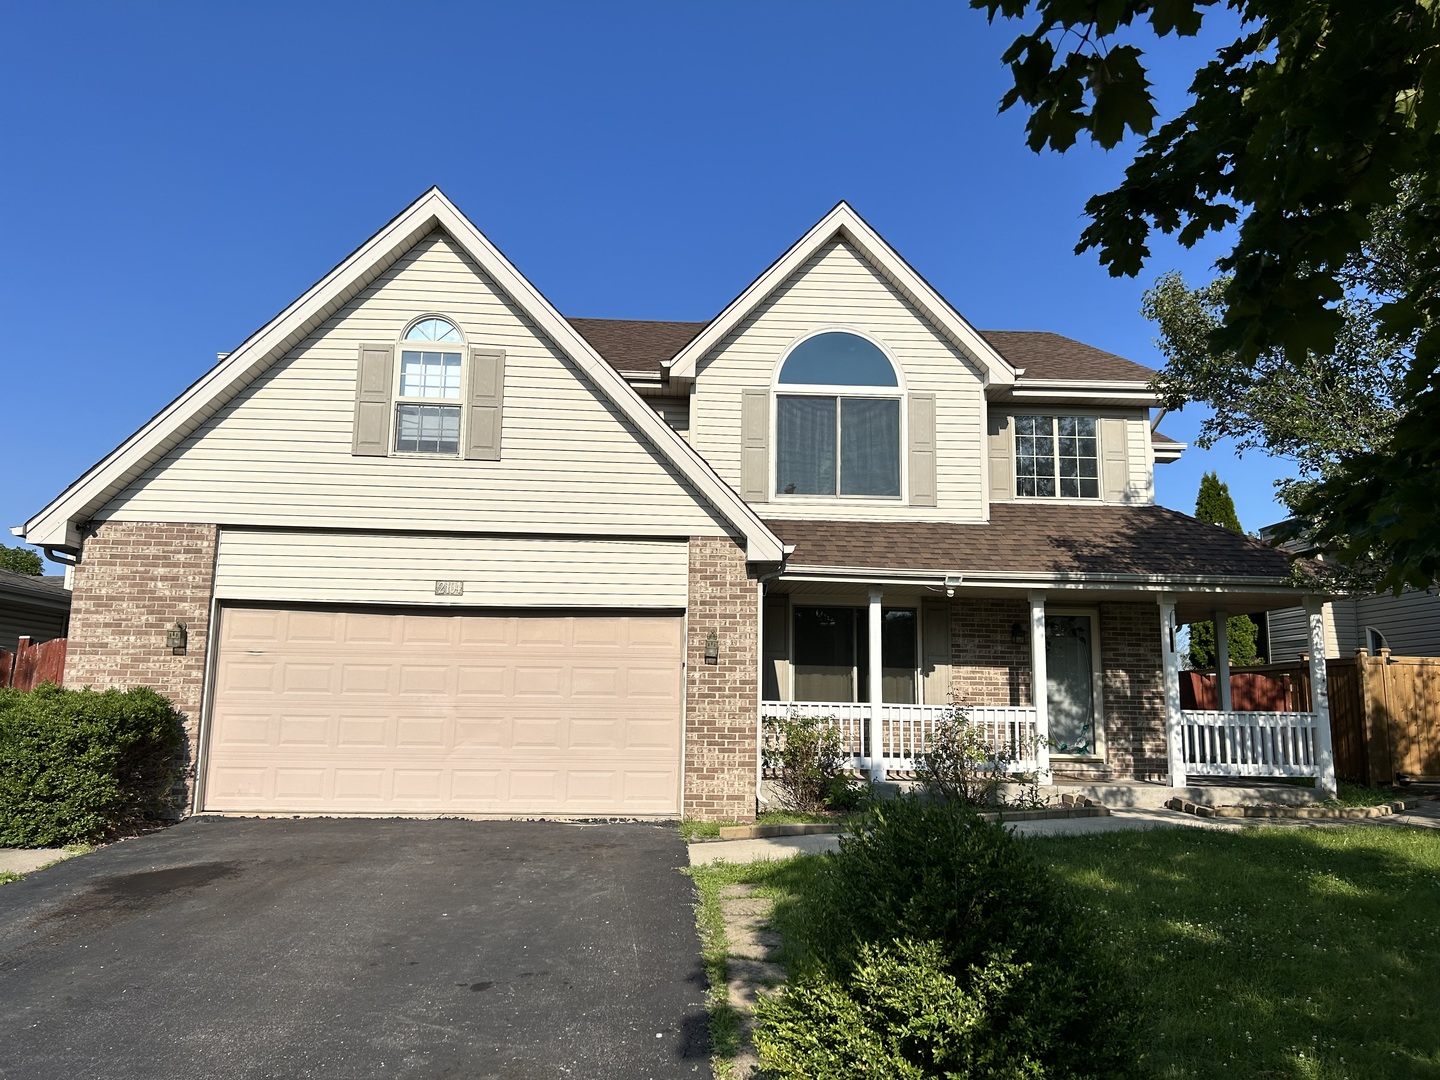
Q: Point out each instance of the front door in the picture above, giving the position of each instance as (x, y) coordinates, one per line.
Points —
(1070, 683)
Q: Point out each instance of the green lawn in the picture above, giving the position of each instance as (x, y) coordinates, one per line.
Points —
(1275, 953)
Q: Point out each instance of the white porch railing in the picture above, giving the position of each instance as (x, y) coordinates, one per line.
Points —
(1250, 743)
(907, 727)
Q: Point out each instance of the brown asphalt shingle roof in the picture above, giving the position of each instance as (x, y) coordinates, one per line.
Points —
(641, 345)
(50, 586)
(1041, 539)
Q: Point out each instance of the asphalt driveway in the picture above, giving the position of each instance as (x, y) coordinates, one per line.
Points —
(353, 948)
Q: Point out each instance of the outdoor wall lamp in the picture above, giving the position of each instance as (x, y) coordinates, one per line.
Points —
(712, 648)
(176, 638)
(1017, 633)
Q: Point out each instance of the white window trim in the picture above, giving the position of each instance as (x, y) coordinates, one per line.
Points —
(401, 346)
(899, 393)
(1054, 415)
(1097, 682)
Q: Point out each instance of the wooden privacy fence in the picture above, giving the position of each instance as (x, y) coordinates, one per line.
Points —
(1384, 710)
(30, 665)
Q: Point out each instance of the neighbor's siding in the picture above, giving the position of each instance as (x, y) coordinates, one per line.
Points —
(279, 453)
(496, 571)
(1410, 621)
(838, 288)
(1290, 632)
(39, 625)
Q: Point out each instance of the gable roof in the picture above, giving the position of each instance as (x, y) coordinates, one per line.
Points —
(57, 524)
(845, 224)
(643, 346)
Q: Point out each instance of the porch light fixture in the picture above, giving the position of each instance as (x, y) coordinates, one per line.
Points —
(176, 638)
(712, 648)
(1017, 633)
(952, 582)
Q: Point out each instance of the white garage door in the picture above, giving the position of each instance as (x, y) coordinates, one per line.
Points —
(358, 712)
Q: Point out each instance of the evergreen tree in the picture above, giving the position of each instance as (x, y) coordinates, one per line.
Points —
(1214, 504)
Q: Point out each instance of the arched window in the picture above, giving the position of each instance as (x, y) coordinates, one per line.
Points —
(427, 399)
(837, 419)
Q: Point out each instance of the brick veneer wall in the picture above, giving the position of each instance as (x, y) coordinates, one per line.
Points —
(135, 580)
(989, 668)
(1134, 687)
(721, 726)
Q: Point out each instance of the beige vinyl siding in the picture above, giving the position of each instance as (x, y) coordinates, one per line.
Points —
(1136, 485)
(279, 453)
(838, 288)
(496, 571)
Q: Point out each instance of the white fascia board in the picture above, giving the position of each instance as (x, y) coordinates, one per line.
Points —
(1168, 451)
(1088, 392)
(846, 223)
(56, 525)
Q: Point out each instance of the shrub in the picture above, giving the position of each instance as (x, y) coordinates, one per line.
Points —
(959, 765)
(916, 874)
(808, 763)
(79, 765)
(901, 1014)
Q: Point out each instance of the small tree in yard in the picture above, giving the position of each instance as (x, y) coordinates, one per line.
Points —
(1214, 504)
(959, 765)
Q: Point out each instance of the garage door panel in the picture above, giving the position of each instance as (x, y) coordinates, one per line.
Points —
(361, 712)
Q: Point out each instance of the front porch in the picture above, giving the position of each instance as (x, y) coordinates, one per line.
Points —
(1080, 685)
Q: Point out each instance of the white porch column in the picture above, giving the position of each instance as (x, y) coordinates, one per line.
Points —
(876, 660)
(1320, 698)
(1170, 663)
(1039, 681)
(1222, 657)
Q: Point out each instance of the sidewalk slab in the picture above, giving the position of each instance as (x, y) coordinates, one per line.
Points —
(28, 860)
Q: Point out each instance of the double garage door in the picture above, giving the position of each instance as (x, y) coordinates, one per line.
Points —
(361, 712)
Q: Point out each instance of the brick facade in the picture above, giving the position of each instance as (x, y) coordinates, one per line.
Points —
(991, 668)
(134, 580)
(1134, 688)
(721, 726)
(988, 667)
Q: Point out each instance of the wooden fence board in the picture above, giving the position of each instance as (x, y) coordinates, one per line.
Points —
(31, 665)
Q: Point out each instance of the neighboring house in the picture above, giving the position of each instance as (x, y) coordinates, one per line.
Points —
(33, 607)
(1407, 625)
(438, 549)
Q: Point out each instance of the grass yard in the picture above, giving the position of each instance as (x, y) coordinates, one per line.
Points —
(1274, 953)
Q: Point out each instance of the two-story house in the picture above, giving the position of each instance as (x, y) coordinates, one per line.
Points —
(423, 545)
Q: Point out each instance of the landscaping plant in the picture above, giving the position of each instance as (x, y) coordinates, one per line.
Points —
(959, 765)
(77, 766)
(935, 946)
(807, 762)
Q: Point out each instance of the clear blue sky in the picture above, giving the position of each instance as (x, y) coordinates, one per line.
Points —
(175, 174)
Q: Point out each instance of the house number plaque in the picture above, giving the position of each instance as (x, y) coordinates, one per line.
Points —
(449, 588)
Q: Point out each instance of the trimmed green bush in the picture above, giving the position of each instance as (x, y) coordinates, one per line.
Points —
(925, 889)
(77, 766)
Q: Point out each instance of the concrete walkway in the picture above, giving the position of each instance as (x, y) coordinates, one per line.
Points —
(1427, 816)
(27, 860)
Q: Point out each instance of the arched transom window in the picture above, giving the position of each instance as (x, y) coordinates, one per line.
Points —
(837, 419)
(427, 403)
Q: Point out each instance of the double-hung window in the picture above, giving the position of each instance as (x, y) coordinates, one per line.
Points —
(837, 419)
(1057, 457)
(427, 402)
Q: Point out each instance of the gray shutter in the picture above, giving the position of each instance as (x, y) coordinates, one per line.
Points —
(775, 646)
(487, 398)
(1114, 461)
(1002, 460)
(755, 445)
(922, 449)
(371, 436)
(936, 653)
